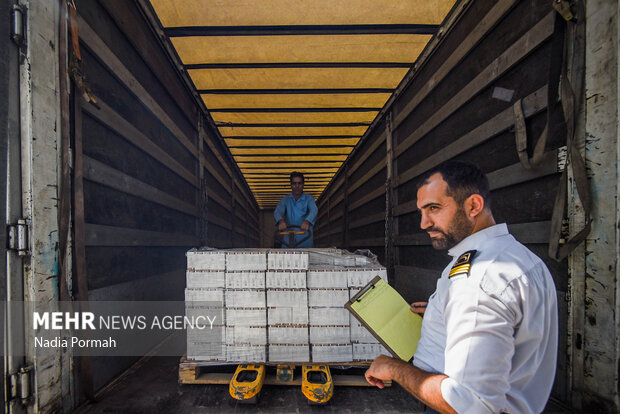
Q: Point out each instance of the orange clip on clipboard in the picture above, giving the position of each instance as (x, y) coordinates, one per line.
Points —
(388, 317)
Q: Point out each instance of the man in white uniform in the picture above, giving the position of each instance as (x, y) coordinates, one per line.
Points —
(490, 330)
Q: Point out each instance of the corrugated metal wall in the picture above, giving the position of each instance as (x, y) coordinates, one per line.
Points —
(458, 104)
(156, 179)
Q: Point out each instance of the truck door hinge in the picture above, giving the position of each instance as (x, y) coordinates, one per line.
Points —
(18, 23)
(18, 237)
(20, 384)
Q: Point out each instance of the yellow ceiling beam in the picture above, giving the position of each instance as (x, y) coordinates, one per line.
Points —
(292, 165)
(292, 117)
(286, 185)
(279, 12)
(276, 191)
(290, 158)
(284, 179)
(285, 189)
(301, 170)
(301, 151)
(288, 142)
(290, 131)
(402, 48)
(297, 78)
(298, 100)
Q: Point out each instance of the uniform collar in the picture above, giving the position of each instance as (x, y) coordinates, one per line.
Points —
(472, 241)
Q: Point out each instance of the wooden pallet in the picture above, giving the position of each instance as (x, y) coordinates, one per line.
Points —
(204, 372)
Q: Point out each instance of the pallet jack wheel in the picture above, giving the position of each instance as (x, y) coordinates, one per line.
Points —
(246, 383)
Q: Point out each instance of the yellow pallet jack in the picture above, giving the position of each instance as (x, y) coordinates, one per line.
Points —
(317, 384)
(247, 383)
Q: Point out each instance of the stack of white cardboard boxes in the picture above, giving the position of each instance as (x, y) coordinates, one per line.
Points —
(287, 306)
(206, 283)
(279, 305)
(246, 307)
(329, 321)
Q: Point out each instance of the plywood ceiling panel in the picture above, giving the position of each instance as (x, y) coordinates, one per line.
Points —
(297, 78)
(219, 101)
(293, 117)
(403, 48)
(294, 12)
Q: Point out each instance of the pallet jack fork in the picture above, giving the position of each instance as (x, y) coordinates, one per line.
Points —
(317, 384)
(247, 382)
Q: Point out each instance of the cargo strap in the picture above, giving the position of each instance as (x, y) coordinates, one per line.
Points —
(568, 32)
(75, 64)
(553, 108)
(572, 100)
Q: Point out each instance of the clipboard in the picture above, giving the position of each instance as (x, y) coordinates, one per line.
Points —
(388, 317)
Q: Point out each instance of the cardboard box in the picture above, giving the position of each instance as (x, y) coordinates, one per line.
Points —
(245, 279)
(246, 260)
(330, 334)
(327, 277)
(286, 279)
(328, 297)
(246, 353)
(246, 317)
(206, 351)
(359, 277)
(288, 334)
(207, 279)
(287, 315)
(289, 353)
(332, 353)
(289, 298)
(195, 295)
(287, 260)
(368, 352)
(328, 316)
(245, 298)
(252, 335)
(206, 260)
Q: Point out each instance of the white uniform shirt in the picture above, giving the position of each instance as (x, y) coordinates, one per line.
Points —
(493, 332)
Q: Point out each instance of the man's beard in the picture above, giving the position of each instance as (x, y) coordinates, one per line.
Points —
(457, 230)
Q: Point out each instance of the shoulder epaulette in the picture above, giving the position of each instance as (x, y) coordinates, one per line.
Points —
(462, 264)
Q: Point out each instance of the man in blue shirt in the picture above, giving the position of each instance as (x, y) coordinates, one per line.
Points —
(297, 209)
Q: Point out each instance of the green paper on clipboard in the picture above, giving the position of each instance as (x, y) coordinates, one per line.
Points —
(384, 312)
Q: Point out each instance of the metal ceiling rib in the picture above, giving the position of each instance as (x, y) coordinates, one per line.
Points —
(294, 85)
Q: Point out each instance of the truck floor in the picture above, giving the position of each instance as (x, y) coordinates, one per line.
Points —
(151, 386)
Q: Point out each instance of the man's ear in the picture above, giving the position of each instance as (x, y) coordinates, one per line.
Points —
(474, 204)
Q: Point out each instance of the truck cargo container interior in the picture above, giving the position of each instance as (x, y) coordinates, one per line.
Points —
(137, 130)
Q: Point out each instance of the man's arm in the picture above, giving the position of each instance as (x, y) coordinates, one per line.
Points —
(479, 347)
(279, 212)
(312, 210)
(423, 385)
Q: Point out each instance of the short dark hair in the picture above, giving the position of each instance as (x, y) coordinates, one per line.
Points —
(298, 174)
(463, 179)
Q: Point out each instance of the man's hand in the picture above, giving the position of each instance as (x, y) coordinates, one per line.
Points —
(305, 225)
(282, 225)
(381, 370)
(419, 308)
(425, 386)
